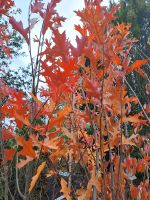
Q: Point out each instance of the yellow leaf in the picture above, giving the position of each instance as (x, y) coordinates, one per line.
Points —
(65, 189)
(35, 177)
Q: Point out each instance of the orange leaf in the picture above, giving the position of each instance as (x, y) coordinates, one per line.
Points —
(65, 189)
(147, 158)
(22, 162)
(134, 192)
(7, 135)
(35, 177)
(127, 141)
(69, 135)
(57, 121)
(27, 146)
(80, 192)
(134, 119)
(58, 153)
(49, 143)
(9, 153)
(92, 182)
(53, 134)
(116, 60)
(23, 119)
(137, 64)
(140, 166)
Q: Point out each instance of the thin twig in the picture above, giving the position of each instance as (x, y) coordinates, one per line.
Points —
(72, 132)
(10, 194)
(101, 141)
(30, 50)
(120, 147)
(110, 158)
(95, 137)
(17, 180)
(138, 100)
(3, 157)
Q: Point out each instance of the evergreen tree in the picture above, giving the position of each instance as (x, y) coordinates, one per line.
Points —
(18, 78)
(137, 13)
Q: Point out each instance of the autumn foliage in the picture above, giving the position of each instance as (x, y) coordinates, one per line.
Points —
(79, 110)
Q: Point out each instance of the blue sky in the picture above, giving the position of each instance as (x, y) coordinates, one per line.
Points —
(65, 8)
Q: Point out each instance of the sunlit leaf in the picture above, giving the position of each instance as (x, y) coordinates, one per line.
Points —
(36, 176)
(18, 26)
(65, 189)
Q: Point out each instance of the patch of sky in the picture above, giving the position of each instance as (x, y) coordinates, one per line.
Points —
(65, 8)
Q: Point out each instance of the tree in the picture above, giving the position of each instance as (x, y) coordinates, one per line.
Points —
(11, 48)
(82, 87)
(137, 13)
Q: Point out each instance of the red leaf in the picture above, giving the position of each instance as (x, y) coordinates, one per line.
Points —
(69, 135)
(140, 166)
(116, 60)
(18, 26)
(51, 18)
(5, 5)
(134, 192)
(53, 3)
(7, 135)
(9, 153)
(61, 45)
(37, 6)
(82, 31)
(81, 43)
(128, 164)
(92, 88)
(7, 51)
